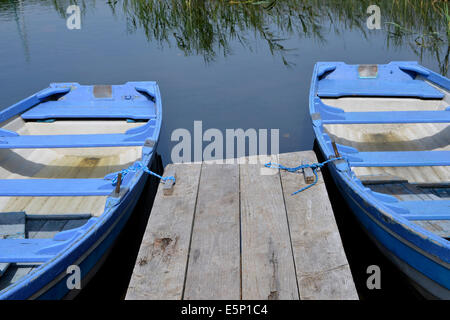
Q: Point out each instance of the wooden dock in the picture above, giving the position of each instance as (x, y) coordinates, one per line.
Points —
(229, 232)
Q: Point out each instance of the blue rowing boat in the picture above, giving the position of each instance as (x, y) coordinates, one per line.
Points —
(74, 160)
(385, 128)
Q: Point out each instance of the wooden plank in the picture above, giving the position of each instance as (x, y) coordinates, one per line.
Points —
(64, 163)
(241, 235)
(72, 224)
(38, 228)
(308, 173)
(214, 260)
(321, 264)
(18, 271)
(394, 137)
(268, 270)
(439, 227)
(159, 272)
(380, 179)
(12, 225)
(50, 228)
(169, 184)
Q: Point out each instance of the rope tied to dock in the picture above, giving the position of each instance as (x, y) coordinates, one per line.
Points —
(139, 166)
(313, 166)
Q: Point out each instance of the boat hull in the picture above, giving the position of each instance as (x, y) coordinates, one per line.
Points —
(393, 245)
(422, 255)
(52, 284)
(87, 246)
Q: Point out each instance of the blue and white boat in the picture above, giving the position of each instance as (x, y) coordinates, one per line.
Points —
(388, 126)
(73, 163)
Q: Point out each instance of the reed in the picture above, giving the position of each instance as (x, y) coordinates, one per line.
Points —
(209, 27)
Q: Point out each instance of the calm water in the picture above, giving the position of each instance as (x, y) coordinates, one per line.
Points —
(231, 66)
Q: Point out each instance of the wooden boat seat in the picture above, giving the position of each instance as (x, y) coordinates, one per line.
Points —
(58, 172)
(396, 79)
(41, 250)
(54, 110)
(133, 137)
(397, 158)
(377, 87)
(427, 210)
(98, 102)
(392, 136)
(138, 99)
(55, 187)
(21, 225)
(332, 115)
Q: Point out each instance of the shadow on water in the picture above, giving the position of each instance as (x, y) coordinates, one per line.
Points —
(361, 251)
(111, 280)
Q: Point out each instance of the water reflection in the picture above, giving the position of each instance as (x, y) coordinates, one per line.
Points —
(17, 14)
(209, 28)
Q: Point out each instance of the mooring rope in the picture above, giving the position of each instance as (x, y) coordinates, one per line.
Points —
(139, 166)
(313, 166)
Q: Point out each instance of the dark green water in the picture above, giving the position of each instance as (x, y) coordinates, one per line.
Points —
(229, 65)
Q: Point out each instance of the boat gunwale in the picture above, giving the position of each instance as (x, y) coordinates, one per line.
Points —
(111, 207)
(417, 234)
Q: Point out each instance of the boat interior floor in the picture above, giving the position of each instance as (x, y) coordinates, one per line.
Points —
(405, 191)
(405, 183)
(33, 227)
(63, 163)
(394, 137)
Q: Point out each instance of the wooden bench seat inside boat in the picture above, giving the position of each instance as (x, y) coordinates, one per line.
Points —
(394, 137)
(63, 163)
(38, 227)
(409, 183)
(99, 101)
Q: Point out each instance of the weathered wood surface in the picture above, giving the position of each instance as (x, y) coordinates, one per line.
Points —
(405, 191)
(169, 184)
(267, 266)
(160, 269)
(38, 227)
(321, 264)
(394, 137)
(214, 264)
(12, 226)
(233, 231)
(308, 173)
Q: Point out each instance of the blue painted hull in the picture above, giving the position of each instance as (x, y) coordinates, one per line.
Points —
(408, 259)
(423, 256)
(88, 246)
(52, 283)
